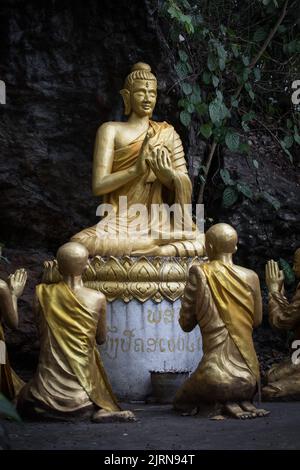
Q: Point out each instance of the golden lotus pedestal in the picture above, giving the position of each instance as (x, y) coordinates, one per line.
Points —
(144, 335)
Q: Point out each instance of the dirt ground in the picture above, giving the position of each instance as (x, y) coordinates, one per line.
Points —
(158, 427)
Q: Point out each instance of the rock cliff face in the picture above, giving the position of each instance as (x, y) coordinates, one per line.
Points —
(63, 63)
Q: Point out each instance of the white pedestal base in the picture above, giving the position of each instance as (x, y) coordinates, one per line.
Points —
(144, 337)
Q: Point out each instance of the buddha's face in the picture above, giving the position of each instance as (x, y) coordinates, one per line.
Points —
(296, 266)
(143, 97)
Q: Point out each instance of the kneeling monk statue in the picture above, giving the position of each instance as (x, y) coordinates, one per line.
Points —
(284, 378)
(225, 301)
(10, 383)
(70, 379)
(140, 164)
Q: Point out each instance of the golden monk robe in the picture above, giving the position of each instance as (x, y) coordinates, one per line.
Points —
(10, 383)
(143, 161)
(70, 379)
(284, 378)
(225, 301)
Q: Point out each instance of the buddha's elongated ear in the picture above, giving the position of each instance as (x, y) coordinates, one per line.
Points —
(126, 98)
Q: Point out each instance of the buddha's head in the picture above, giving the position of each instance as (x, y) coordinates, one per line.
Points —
(296, 265)
(140, 91)
(220, 239)
(72, 259)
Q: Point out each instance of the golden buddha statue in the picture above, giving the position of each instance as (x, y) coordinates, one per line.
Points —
(283, 380)
(141, 161)
(224, 299)
(70, 379)
(10, 383)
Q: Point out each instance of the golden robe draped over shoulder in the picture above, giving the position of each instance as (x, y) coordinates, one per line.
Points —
(218, 301)
(234, 300)
(70, 373)
(10, 383)
(112, 235)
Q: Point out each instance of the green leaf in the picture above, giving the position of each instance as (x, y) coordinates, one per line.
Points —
(196, 95)
(248, 86)
(248, 116)
(206, 130)
(222, 64)
(244, 147)
(260, 35)
(230, 196)
(285, 149)
(246, 73)
(245, 60)
(255, 164)
(289, 276)
(289, 123)
(206, 77)
(297, 138)
(186, 88)
(201, 109)
(292, 47)
(181, 70)
(245, 190)
(185, 118)
(288, 141)
(234, 102)
(7, 410)
(219, 95)
(212, 62)
(190, 108)
(215, 111)
(235, 50)
(183, 55)
(225, 175)
(182, 102)
(215, 81)
(232, 140)
(270, 199)
(251, 94)
(257, 74)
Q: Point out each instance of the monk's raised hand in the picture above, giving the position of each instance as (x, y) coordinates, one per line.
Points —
(17, 282)
(274, 277)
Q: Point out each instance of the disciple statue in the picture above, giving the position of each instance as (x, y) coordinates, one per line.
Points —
(224, 299)
(70, 379)
(10, 383)
(140, 164)
(284, 378)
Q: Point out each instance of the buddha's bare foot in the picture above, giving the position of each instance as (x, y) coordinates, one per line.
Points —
(237, 412)
(102, 416)
(258, 412)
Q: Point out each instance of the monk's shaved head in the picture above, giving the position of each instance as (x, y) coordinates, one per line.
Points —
(221, 238)
(72, 259)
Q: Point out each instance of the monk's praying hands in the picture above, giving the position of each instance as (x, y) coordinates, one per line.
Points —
(274, 277)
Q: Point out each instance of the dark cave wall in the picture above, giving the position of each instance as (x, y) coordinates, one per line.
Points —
(63, 63)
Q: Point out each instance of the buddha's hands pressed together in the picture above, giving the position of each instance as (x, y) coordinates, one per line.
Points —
(274, 277)
(17, 281)
(160, 164)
